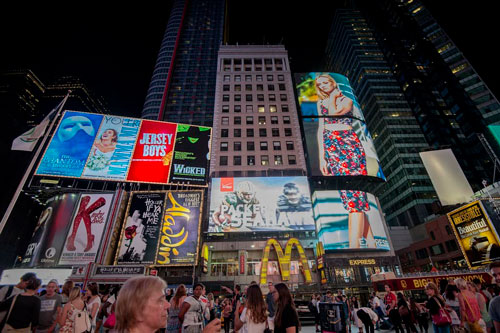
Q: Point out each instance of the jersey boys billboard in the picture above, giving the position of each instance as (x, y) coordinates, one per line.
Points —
(260, 204)
(338, 143)
(95, 146)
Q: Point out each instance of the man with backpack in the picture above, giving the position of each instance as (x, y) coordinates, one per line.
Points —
(10, 291)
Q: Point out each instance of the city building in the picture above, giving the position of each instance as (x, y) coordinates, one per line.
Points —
(256, 131)
(183, 83)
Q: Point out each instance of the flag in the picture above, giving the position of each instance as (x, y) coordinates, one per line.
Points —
(27, 141)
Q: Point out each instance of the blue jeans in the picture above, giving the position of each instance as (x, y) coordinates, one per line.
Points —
(441, 329)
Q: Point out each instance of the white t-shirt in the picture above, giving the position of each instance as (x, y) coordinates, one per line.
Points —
(376, 301)
(249, 326)
(90, 305)
(194, 315)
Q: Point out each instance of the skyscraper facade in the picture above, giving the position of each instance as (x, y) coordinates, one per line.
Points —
(183, 83)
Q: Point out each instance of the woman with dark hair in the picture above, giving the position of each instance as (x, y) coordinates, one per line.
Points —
(286, 319)
(23, 310)
(420, 314)
(435, 303)
(405, 313)
(93, 303)
(253, 318)
(173, 323)
(66, 290)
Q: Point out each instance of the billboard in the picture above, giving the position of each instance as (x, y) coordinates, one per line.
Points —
(338, 142)
(349, 220)
(87, 228)
(94, 146)
(140, 231)
(260, 204)
(476, 234)
(161, 228)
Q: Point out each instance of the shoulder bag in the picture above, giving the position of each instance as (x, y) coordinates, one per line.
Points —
(7, 328)
(403, 310)
(442, 318)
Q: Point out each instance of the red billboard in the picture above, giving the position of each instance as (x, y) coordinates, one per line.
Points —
(153, 153)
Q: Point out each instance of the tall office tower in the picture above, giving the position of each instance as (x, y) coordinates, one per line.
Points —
(183, 84)
(256, 130)
(353, 51)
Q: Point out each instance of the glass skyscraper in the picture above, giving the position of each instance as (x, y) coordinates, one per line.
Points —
(182, 88)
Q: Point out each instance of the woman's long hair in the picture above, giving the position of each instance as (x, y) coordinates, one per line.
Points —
(256, 307)
(322, 94)
(179, 293)
(284, 300)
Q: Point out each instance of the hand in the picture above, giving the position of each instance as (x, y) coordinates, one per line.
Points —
(213, 326)
(322, 167)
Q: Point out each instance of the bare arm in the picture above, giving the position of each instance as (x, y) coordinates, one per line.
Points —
(95, 308)
(64, 315)
(292, 329)
(344, 107)
(497, 326)
(185, 307)
(237, 321)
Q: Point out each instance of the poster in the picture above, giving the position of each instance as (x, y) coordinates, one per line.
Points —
(153, 153)
(475, 233)
(140, 233)
(52, 245)
(349, 219)
(192, 151)
(260, 204)
(70, 146)
(87, 228)
(112, 150)
(338, 143)
(181, 228)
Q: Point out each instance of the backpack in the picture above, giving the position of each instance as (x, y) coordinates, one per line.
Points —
(81, 321)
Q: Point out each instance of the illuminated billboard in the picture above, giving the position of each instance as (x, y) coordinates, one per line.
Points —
(475, 233)
(349, 220)
(260, 204)
(161, 228)
(338, 142)
(105, 147)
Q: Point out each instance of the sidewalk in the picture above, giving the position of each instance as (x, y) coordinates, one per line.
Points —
(311, 329)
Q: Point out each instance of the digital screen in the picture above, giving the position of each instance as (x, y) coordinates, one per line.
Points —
(94, 146)
(475, 234)
(260, 204)
(338, 142)
(349, 220)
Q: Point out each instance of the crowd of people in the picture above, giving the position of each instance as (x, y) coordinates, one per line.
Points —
(144, 304)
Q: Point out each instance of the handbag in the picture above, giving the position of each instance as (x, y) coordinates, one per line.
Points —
(474, 326)
(110, 321)
(7, 328)
(403, 311)
(442, 318)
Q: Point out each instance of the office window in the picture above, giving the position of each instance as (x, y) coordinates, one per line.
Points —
(286, 120)
(283, 97)
(257, 61)
(250, 160)
(262, 132)
(272, 97)
(272, 108)
(270, 78)
(260, 87)
(236, 160)
(284, 108)
(278, 61)
(276, 145)
(249, 132)
(281, 78)
(248, 78)
(225, 108)
(237, 87)
(225, 98)
(281, 87)
(237, 108)
(237, 120)
(225, 87)
(223, 146)
(237, 98)
(260, 97)
(224, 133)
(261, 108)
(249, 108)
(275, 132)
(263, 145)
(227, 78)
(237, 132)
(292, 160)
(249, 120)
(278, 160)
(288, 132)
(237, 61)
(270, 87)
(289, 145)
(237, 78)
(223, 160)
(237, 146)
(248, 98)
(274, 120)
(258, 78)
(264, 160)
(262, 120)
(248, 87)
(225, 121)
(250, 146)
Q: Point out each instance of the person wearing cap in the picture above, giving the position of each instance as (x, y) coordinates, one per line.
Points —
(9, 291)
(50, 309)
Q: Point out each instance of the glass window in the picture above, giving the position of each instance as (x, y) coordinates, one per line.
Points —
(249, 132)
(264, 160)
(237, 108)
(237, 98)
(223, 160)
(272, 108)
(262, 132)
(250, 146)
(248, 98)
(275, 132)
(225, 87)
(225, 98)
(250, 160)
(270, 87)
(260, 97)
(289, 145)
(276, 145)
(274, 120)
(257, 61)
(259, 78)
(282, 86)
(224, 133)
(283, 97)
(260, 87)
(262, 120)
(237, 87)
(292, 160)
(237, 61)
(237, 78)
(248, 87)
(263, 145)
(236, 160)
(272, 97)
(223, 146)
(261, 108)
(237, 120)
(284, 108)
(288, 132)
(227, 78)
(270, 78)
(237, 132)
(248, 78)
(249, 108)
(237, 146)
(225, 108)
(281, 78)
(286, 120)
(249, 120)
(278, 160)
(225, 121)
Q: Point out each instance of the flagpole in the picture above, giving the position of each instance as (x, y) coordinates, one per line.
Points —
(30, 167)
